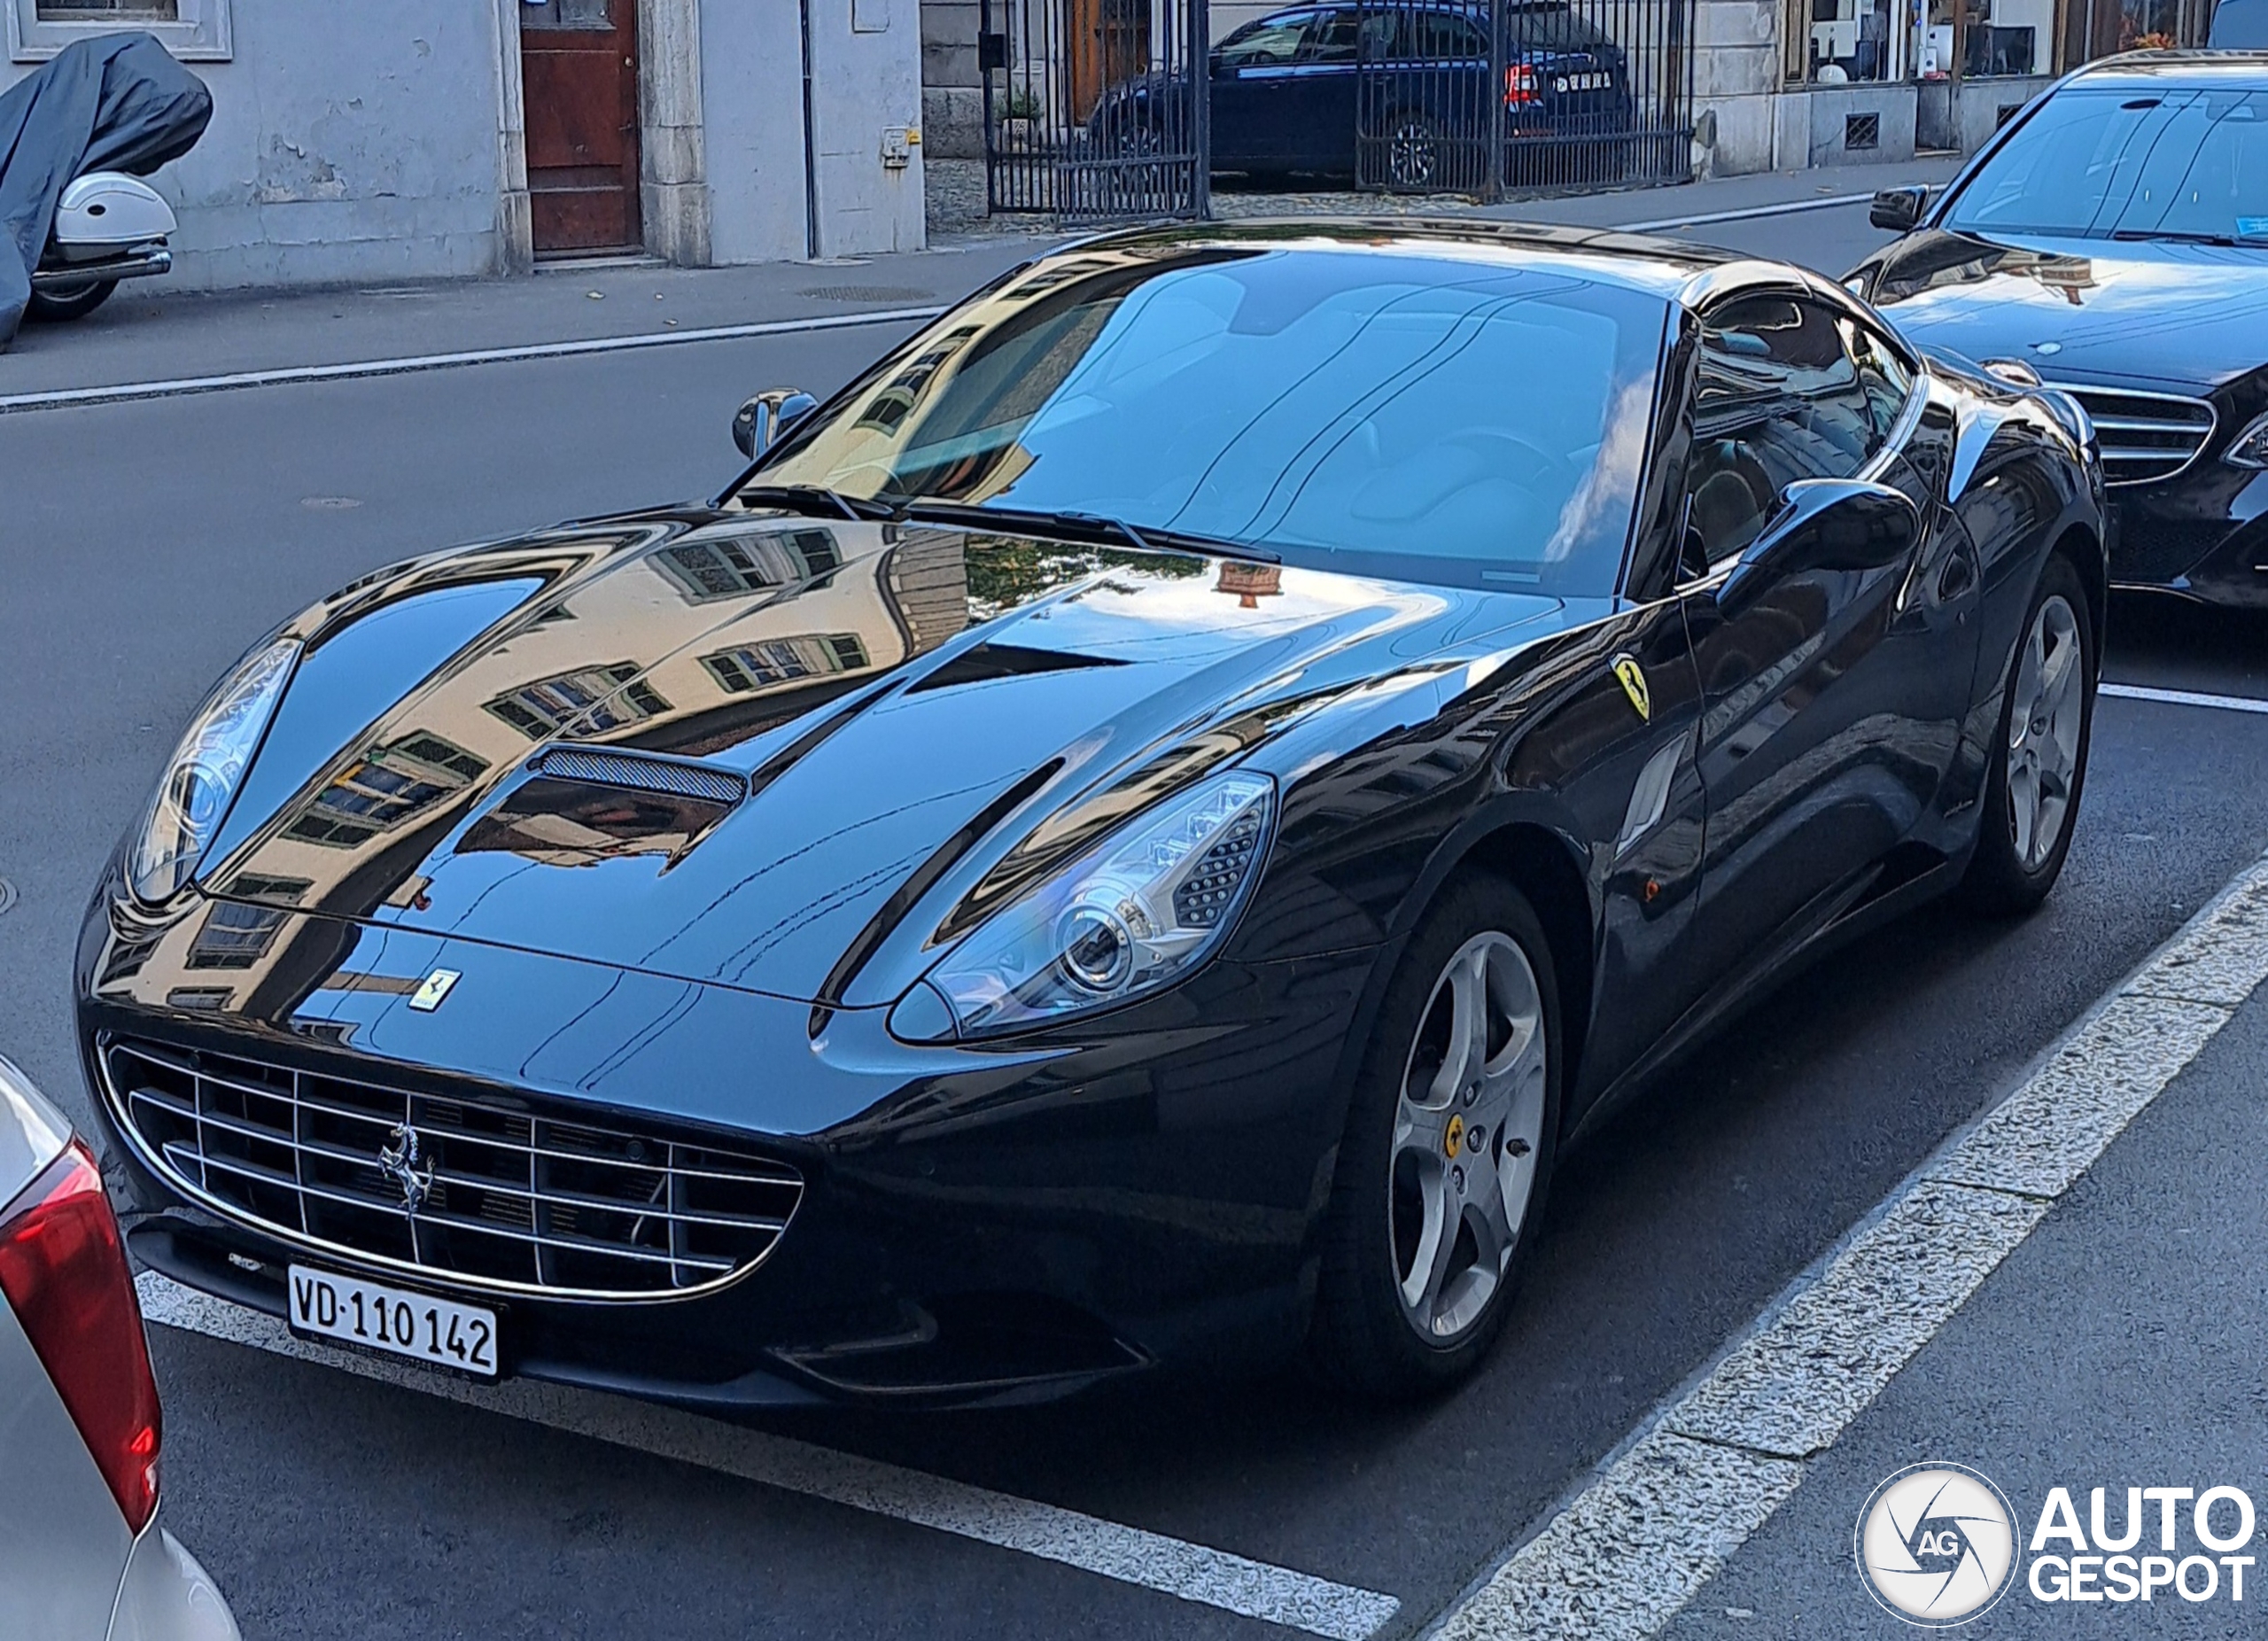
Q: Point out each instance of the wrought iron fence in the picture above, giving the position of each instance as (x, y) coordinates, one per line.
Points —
(1121, 108)
(1484, 96)
(1089, 108)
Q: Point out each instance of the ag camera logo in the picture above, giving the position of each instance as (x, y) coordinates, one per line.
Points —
(1937, 1544)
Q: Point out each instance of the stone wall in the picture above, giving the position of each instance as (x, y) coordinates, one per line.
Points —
(952, 97)
(348, 143)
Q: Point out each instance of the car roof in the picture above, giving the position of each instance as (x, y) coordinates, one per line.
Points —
(1668, 269)
(2180, 69)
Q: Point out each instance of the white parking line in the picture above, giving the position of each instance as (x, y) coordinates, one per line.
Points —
(2182, 698)
(1212, 1577)
(62, 398)
(1745, 213)
(1635, 1540)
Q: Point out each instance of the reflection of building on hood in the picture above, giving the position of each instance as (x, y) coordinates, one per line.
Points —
(1249, 583)
(2068, 275)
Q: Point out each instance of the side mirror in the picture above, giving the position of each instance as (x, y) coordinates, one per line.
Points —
(758, 424)
(1824, 524)
(1898, 209)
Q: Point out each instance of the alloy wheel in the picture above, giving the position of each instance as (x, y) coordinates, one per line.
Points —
(1466, 1129)
(1411, 154)
(2044, 722)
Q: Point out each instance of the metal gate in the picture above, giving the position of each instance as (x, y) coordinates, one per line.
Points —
(1091, 107)
(1480, 97)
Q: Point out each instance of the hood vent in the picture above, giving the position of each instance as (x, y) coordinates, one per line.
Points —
(640, 772)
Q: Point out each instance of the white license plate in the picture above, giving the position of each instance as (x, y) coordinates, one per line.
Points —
(1582, 82)
(438, 1332)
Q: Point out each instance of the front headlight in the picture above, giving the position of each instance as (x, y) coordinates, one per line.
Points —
(1137, 911)
(2249, 448)
(193, 798)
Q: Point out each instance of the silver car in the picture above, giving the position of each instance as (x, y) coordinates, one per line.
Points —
(81, 1552)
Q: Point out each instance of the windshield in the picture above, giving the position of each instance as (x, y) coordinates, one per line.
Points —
(2239, 26)
(2180, 163)
(1437, 418)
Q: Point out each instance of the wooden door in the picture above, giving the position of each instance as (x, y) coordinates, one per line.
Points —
(578, 62)
(1110, 44)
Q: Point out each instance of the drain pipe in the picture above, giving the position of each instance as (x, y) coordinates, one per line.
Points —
(811, 145)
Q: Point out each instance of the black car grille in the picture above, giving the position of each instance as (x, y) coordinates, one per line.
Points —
(507, 1199)
(2145, 437)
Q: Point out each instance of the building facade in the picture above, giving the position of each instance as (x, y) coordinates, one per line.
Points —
(425, 138)
(1780, 84)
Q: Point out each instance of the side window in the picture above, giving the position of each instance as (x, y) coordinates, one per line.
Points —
(1332, 39)
(1778, 397)
(1384, 36)
(1272, 41)
(1446, 37)
(1883, 377)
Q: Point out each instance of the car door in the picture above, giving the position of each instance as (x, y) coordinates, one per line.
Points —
(1251, 70)
(1821, 735)
(1318, 96)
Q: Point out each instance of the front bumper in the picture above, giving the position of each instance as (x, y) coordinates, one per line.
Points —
(2202, 533)
(977, 1225)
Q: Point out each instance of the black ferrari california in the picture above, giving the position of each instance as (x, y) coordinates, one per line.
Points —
(2113, 241)
(1135, 833)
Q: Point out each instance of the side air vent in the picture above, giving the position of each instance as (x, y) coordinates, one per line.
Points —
(643, 773)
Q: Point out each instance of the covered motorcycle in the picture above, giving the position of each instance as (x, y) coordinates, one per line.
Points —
(117, 104)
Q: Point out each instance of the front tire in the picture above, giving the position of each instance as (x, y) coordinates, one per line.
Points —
(2040, 755)
(68, 302)
(1448, 1148)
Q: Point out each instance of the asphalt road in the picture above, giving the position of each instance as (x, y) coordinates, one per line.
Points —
(145, 544)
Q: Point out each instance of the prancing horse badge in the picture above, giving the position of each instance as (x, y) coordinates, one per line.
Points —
(1632, 678)
(435, 990)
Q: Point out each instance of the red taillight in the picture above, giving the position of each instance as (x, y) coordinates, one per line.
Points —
(64, 1271)
(1520, 84)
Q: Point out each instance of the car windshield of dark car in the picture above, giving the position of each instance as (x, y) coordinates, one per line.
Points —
(1446, 419)
(2179, 163)
(1552, 26)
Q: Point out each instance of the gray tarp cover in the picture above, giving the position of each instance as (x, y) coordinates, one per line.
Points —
(116, 103)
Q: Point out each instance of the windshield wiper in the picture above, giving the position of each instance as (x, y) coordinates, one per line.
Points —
(1079, 526)
(2131, 234)
(815, 501)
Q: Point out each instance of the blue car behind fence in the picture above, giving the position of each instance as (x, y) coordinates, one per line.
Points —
(1399, 96)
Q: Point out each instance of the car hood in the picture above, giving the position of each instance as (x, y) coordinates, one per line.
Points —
(830, 728)
(2183, 317)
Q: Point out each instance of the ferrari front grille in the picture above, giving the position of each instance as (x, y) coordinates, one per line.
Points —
(481, 1193)
(2145, 437)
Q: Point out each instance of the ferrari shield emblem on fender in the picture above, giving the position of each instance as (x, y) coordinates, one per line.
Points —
(435, 990)
(1633, 679)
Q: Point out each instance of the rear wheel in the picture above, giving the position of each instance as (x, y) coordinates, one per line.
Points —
(59, 303)
(1415, 155)
(1448, 1148)
(2039, 757)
